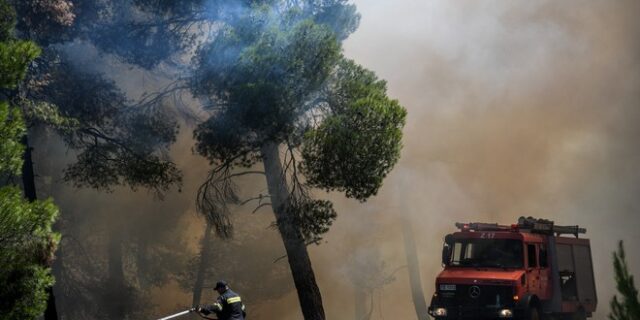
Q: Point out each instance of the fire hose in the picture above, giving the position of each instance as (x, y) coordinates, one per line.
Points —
(180, 314)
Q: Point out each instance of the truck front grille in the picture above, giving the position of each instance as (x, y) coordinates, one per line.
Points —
(477, 296)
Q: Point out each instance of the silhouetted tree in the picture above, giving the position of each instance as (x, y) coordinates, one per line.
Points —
(145, 33)
(248, 262)
(628, 308)
(118, 142)
(203, 262)
(369, 274)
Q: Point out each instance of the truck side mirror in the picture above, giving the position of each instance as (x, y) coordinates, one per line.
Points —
(446, 250)
(446, 254)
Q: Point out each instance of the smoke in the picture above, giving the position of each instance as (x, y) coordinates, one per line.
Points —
(514, 109)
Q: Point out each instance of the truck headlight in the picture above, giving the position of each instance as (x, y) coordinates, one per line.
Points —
(505, 313)
(440, 312)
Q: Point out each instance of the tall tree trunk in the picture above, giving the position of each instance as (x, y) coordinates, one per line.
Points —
(116, 291)
(51, 312)
(28, 176)
(299, 262)
(361, 304)
(414, 270)
(202, 267)
(29, 187)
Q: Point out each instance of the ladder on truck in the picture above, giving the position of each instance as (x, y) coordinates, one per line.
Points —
(530, 224)
(544, 226)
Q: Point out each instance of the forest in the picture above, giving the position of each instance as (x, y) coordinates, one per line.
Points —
(263, 85)
(311, 153)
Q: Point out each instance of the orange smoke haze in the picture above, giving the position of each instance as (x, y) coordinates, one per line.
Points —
(515, 108)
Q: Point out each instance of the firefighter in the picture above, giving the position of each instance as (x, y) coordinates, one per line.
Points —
(228, 306)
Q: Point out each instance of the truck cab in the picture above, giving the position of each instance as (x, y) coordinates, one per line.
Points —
(523, 271)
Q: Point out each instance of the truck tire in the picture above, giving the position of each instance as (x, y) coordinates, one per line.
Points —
(532, 314)
(579, 315)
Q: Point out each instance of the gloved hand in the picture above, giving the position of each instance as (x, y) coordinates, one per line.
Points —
(201, 309)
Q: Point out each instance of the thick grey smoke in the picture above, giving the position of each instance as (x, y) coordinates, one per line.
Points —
(514, 109)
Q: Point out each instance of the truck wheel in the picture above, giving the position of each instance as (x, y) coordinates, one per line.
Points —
(579, 315)
(533, 314)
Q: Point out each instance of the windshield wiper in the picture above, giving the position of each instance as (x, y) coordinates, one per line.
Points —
(469, 262)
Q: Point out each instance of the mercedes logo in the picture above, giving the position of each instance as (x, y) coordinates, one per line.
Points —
(474, 292)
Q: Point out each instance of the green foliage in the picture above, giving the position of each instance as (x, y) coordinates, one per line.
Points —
(141, 32)
(11, 131)
(7, 20)
(92, 170)
(312, 217)
(146, 47)
(276, 75)
(15, 57)
(126, 150)
(339, 15)
(628, 308)
(49, 22)
(359, 143)
(23, 294)
(47, 114)
(118, 143)
(27, 244)
(351, 82)
(263, 85)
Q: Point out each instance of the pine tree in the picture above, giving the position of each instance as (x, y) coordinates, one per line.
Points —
(628, 308)
(281, 94)
(27, 242)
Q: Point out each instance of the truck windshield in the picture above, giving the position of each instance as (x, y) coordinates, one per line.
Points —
(487, 253)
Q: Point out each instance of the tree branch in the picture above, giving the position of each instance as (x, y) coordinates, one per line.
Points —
(259, 198)
(260, 206)
(279, 258)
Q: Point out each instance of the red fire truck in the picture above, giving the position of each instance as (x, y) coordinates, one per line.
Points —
(526, 271)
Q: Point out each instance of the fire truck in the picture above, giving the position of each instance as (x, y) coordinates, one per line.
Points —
(527, 270)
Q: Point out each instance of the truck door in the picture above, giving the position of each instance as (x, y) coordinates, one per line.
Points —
(545, 272)
(533, 273)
